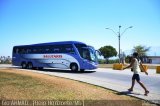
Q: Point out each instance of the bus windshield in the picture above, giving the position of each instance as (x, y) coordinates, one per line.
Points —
(87, 53)
(92, 54)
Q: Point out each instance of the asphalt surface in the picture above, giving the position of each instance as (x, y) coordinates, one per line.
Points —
(117, 80)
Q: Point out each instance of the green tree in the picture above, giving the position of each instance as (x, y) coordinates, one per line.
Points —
(128, 59)
(141, 50)
(108, 51)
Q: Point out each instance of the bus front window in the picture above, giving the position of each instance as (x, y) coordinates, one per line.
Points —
(84, 52)
(87, 53)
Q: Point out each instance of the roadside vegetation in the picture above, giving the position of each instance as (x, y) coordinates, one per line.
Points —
(108, 52)
(103, 61)
(5, 60)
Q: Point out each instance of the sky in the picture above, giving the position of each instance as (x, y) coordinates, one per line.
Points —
(25, 22)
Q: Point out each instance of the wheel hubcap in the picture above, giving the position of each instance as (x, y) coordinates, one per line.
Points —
(73, 67)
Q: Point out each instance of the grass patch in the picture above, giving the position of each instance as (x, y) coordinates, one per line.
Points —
(26, 85)
(16, 84)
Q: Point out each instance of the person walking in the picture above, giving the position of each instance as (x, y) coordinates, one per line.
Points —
(135, 67)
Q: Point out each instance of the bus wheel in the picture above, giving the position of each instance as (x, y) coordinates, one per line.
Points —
(74, 67)
(24, 65)
(30, 65)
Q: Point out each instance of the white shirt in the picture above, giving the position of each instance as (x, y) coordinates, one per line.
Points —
(136, 68)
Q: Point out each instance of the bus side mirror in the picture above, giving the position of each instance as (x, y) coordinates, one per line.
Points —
(98, 53)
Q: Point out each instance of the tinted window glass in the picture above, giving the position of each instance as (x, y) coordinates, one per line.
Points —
(15, 50)
(68, 48)
(29, 50)
(80, 45)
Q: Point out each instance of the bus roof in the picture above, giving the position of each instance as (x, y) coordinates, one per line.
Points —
(53, 43)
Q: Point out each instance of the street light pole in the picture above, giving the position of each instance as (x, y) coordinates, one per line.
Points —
(119, 38)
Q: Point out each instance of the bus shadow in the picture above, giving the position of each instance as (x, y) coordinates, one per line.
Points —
(66, 71)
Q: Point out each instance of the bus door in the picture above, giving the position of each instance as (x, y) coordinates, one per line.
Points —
(86, 57)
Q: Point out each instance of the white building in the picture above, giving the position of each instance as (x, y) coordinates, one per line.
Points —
(154, 59)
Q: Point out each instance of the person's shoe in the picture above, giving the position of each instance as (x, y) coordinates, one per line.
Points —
(130, 90)
(146, 93)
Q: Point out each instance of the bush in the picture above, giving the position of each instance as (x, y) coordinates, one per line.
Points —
(113, 61)
(108, 61)
(101, 61)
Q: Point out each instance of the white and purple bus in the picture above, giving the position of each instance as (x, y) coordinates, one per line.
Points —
(73, 55)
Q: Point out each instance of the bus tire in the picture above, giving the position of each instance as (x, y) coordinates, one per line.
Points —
(30, 65)
(74, 67)
(24, 65)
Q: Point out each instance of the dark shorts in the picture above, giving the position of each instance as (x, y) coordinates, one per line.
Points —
(136, 77)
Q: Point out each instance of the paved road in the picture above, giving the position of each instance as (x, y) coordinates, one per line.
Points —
(113, 79)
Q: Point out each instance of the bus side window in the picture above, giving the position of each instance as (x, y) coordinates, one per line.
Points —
(56, 49)
(28, 50)
(15, 50)
(47, 49)
(40, 50)
(22, 51)
(19, 51)
(69, 49)
(34, 50)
